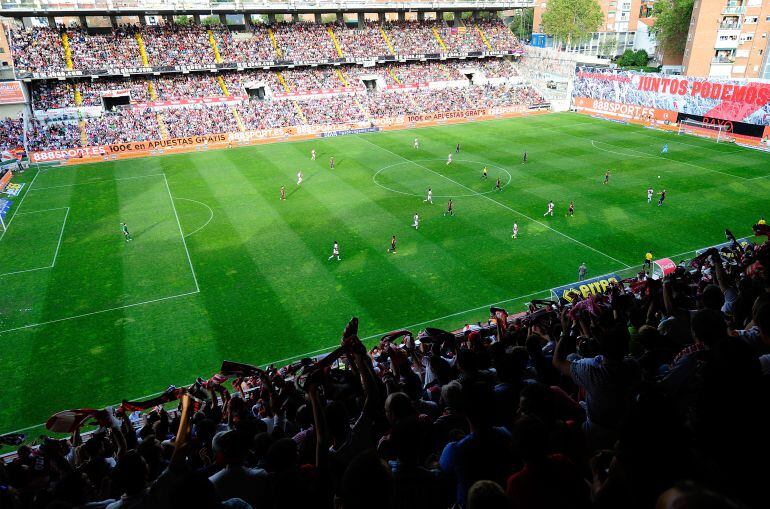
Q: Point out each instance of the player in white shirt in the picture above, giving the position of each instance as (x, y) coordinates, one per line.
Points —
(416, 221)
(449, 160)
(429, 199)
(312, 155)
(416, 143)
(299, 177)
(515, 230)
(335, 251)
(650, 192)
(550, 209)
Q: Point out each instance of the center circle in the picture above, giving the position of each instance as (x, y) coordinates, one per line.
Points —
(377, 177)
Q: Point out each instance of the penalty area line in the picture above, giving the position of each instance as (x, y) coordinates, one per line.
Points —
(92, 313)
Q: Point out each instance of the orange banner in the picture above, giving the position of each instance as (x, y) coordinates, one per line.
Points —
(11, 92)
(5, 179)
(623, 111)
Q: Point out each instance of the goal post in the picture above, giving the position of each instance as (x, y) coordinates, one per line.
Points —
(716, 132)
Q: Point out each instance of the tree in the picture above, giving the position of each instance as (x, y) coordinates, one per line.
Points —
(572, 21)
(521, 23)
(627, 59)
(672, 24)
(641, 58)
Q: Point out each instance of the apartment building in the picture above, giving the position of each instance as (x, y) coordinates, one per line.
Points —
(728, 38)
(616, 33)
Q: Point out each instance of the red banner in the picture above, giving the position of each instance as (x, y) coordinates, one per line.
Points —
(11, 92)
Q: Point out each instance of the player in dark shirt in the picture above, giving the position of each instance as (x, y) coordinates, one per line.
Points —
(498, 185)
(392, 248)
(457, 148)
(449, 208)
(571, 210)
(331, 163)
(662, 197)
(607, 177)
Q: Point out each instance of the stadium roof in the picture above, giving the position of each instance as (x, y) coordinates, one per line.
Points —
(21, 8)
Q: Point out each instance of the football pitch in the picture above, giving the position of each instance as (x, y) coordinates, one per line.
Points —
(221, 268)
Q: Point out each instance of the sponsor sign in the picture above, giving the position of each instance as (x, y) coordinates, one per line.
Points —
(13, 189)
(5, 206)
(593, 286)
(725, 99)
(362, 130)
(732, 126)
(622, 111)
(11, 92)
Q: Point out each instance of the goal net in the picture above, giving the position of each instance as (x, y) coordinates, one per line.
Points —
(704, 129)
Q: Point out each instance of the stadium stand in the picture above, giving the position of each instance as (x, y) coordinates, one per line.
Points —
(559, 406)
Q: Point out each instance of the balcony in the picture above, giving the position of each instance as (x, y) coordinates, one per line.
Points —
(723, 60)
(734, 9)
(727, 42)
(730, 26)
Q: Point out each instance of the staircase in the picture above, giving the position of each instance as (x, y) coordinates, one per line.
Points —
(274, 41)
(283, 83)
(393, 75)
(484, 38)
(438, 38)
(387, 41)
(342, 78)
(335, 41)
(65, 42)
(236, 115)
(77, 95)
(151, 91)
(142, 49)
(83, 134)
(162, 126)
(215, 48)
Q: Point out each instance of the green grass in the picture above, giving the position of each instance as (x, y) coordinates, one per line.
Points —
(251, 280)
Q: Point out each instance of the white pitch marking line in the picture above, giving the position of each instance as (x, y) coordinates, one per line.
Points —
(374, 179)
(116, 308)
(61, 234)
(665, 159)
(55, 254)
(181, 233)
(41, 211)
(502, 205)
(16, 210)
(99, 181)
(211, 215)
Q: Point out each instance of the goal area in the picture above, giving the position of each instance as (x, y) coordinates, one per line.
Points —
(716, 132)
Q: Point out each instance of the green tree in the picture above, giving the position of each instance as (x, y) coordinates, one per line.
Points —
(672, 24)
(572, 21)
(628, 58)
(641, 58)
(521, 23)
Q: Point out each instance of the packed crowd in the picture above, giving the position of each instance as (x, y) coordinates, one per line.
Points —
(52, 134)
(654, 394)
(11, 134)
(42, 48)
(38, 49)
(130, 124)
(243, 47)
(104, 50)
(199, 120)
(170, 45)
(60, 94)
(363, 41)
(304, 42)
(393, 104)
(121, 126)
(259, 115)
